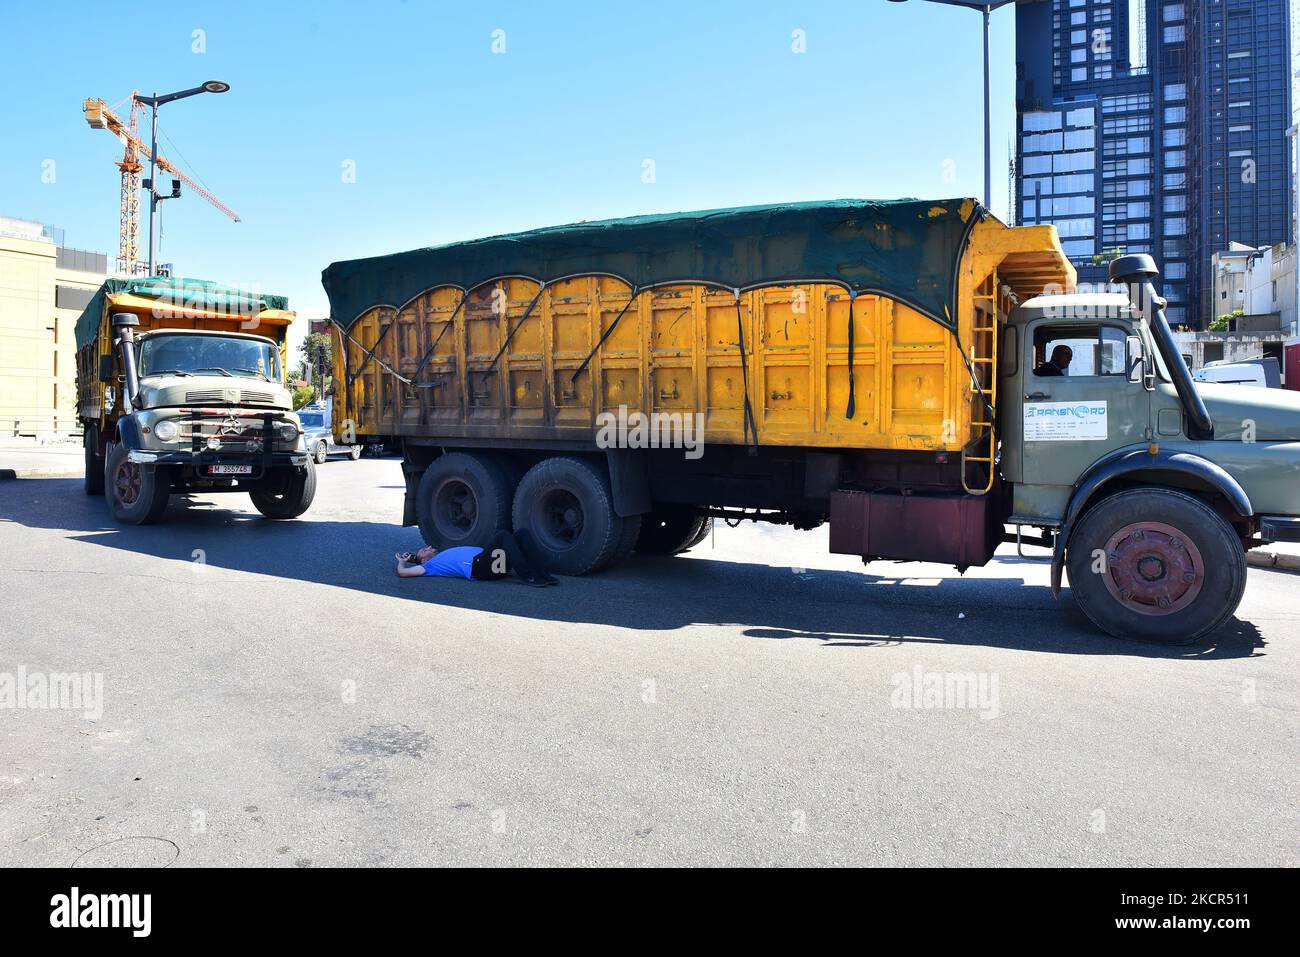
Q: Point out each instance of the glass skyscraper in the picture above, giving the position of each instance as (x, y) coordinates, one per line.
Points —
(1155, 127)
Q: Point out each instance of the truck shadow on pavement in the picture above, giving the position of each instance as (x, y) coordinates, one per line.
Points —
(840, 609)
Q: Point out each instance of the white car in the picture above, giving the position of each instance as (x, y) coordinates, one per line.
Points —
(319, 437)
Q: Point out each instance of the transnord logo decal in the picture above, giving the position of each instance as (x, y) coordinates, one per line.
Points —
(1065, 421)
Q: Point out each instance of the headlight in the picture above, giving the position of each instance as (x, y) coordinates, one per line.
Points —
(286, 432)
(165, 430)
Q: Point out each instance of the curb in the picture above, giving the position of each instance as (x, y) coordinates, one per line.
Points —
(1274, 560)
(39, 473)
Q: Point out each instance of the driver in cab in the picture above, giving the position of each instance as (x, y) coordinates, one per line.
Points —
(1060, 361)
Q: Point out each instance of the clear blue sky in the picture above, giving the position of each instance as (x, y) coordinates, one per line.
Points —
(452, 141)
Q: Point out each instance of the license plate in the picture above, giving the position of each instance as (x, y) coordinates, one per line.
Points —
(230, 470)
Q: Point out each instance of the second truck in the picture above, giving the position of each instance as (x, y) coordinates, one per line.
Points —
(180, 388)
(915, 373)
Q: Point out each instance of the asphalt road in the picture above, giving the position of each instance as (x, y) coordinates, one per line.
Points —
(272, 694)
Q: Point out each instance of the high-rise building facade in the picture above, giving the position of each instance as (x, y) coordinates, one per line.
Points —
(1155, 126)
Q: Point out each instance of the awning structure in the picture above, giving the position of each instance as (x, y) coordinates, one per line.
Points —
(908, 250)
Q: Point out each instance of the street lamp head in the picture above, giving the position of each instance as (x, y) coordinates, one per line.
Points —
(985, 5)
(215, 86)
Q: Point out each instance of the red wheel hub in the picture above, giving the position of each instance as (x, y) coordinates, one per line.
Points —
(126, 483)
(1153, 569)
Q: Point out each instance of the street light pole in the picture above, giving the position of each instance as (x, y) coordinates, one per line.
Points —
(988, 121)
(986, 7)
(153, 177)
(153, 102)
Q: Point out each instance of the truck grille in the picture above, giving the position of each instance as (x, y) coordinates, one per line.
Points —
(237, 433)
(208, 396)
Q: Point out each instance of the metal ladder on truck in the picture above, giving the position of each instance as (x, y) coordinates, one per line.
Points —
(984, 395)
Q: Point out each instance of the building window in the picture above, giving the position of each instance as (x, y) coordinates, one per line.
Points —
(1085, 118)
(1040, 122)
(1175, 34)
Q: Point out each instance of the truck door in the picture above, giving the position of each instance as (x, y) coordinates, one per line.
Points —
(1076, 402)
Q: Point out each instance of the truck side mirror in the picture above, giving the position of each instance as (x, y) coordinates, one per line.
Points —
(1134, 359)
(105, 368)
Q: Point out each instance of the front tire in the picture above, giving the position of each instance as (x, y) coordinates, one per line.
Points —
(322, 452)
(136, 496)
(567, 506)
(287, 493)
(1158, 565)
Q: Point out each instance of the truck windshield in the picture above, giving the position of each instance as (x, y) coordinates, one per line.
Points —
(203, 355)
(312, 420)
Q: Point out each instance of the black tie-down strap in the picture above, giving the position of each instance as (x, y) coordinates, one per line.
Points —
(750, 424)
(415, 376)
(853, 398)
(603, 336)
(511, 334)
(351, 376)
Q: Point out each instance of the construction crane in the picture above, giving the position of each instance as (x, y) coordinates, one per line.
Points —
(101, 117)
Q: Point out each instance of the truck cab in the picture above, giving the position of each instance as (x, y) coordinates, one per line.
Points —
(182, 394)
(1153, 486)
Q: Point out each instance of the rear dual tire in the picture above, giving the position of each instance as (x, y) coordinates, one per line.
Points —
(566, 505)
(463, 499)
(94, 475)
(671, 532)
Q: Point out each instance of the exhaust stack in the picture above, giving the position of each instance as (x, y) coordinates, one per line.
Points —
(124, 324)
(1138, 274)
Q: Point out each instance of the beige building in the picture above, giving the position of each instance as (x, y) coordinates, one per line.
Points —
(44, 285)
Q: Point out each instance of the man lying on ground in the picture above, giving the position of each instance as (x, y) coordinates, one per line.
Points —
(504, 554)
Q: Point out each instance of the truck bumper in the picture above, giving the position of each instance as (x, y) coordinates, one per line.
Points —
(1279, 528)
(201, 462)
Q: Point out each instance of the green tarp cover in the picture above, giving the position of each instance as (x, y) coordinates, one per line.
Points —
(176, 291)
(905, 249)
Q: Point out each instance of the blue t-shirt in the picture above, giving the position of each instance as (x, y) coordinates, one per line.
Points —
(452, 562)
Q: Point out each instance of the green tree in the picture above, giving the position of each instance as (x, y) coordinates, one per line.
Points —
(1110, 255)
(1225, 321)
(311, 352)
(303, 396)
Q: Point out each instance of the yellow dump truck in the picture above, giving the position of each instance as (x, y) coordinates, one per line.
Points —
(180, 387)
(615, 386)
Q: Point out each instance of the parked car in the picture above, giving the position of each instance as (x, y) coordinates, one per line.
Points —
(319, 438)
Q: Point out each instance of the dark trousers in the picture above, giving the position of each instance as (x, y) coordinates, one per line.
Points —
(503, 555)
